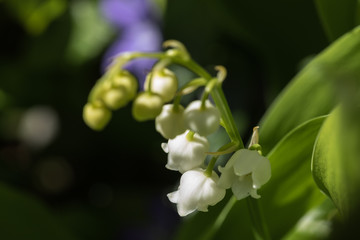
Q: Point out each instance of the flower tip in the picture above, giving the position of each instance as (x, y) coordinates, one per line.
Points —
(165, 147)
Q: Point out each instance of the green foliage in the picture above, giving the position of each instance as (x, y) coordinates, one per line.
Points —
(90, 31)
(291, 188)
(36, 15)
(316, 117)
(315, 224)
(337, 16)
(335, 160)
(332, 77)
(313, 90)
(25, 217)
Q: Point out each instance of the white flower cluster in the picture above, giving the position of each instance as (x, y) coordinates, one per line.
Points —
(186, 130)
(187, 146)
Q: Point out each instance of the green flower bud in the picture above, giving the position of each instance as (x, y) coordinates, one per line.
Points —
(128, 82)
(163, 82)
(147, 106)
(115, 98)
(96, 115)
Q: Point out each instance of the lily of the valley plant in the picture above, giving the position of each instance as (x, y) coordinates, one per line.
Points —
(185, 127)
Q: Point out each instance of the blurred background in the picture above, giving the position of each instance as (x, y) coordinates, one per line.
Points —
(61, 180)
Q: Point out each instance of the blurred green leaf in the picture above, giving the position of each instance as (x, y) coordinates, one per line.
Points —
(90, 34)
(291, 188)
(315, 224)
(25, 217)
(311, 93)
(36, 15)
(337, 16)
(336, 155)
(4, 100)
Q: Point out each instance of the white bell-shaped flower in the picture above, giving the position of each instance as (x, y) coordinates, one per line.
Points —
(203, 121)
(163, 82)
(186, 151)
(170, 122)
(196, 192)
(245, 172)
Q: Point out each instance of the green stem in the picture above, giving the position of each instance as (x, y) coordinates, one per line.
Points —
(176, 103)
(116, 66)
(260, 229)
(190, 136)
(219, 99)
(210, 167)
(219, 220)
(258, 221)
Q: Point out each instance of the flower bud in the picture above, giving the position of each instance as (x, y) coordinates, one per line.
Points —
(96, 115)
(196, 192)
(203, 121)
(186, 153)
(127, 81)
(170, 123)
(163, 82)
(146, 106)
(115, 98)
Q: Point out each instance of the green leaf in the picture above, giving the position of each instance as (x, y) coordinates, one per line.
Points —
(337, 16)
(335, 163)
(291, 190)
(24, 217)
(36, 15)
(90, 31)
(311, 93)
(315, 224)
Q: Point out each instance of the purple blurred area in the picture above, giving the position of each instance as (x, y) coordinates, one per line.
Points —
(138, 25)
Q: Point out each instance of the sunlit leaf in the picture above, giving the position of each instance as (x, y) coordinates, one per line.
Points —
(335, 162)
(291, 188)
(336, 155)
(311, 93)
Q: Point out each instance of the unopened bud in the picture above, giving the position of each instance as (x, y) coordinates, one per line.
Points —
(115, 98)
(163, 82)
(128, 82)
(147, 106)
(96, 115)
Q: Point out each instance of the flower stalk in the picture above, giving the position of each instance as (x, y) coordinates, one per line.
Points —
(146, 109)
